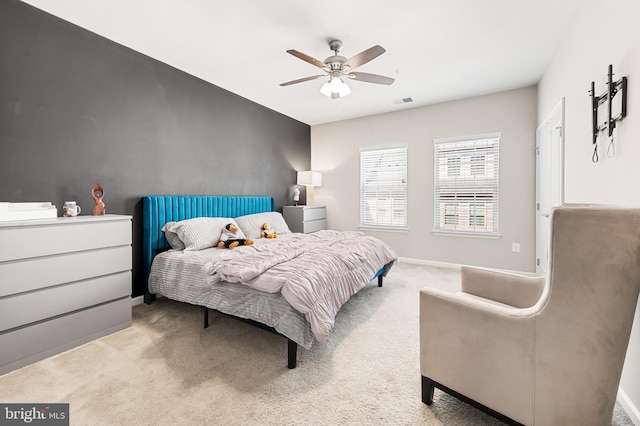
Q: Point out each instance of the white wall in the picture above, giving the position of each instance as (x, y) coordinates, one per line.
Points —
(604, 32)
(335, 152)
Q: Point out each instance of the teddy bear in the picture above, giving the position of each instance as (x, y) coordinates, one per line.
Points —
(232, 237)
(267, 232)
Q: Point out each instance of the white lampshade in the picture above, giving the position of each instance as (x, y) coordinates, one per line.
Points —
(344, 89)
(326, 89)
(309, 178)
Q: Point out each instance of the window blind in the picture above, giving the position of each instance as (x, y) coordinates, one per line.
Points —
(466, 173)
(383, 187)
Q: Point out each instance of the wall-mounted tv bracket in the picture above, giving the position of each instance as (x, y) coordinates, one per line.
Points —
(613, 87)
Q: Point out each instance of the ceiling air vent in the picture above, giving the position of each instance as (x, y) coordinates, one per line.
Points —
(403, 101)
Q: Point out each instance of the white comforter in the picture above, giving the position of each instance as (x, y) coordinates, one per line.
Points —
(316, 273)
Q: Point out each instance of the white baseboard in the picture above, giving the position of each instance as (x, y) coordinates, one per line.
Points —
(137, 301)
(458, 266)
(632, 411)
(429, 263)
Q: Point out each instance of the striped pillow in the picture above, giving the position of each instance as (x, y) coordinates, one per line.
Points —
(172, 237)
(251, 224)
(200, 232)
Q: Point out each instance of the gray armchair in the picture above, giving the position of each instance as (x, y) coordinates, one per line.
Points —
(540, 350)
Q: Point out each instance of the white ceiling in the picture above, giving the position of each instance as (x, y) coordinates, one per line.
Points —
(437, 50)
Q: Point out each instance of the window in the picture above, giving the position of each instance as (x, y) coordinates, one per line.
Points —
(383, 188)
(466, 185)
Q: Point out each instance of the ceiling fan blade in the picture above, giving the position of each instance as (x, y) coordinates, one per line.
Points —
(307, 58)
(371, 78)
(301, 80)
(364, 57)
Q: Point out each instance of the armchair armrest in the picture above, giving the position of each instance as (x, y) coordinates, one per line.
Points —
(482, 350)
(519, 291)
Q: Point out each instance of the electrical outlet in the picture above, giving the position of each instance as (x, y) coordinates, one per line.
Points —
(515, 247)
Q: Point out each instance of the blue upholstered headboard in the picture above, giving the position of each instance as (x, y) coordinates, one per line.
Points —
(160, 209)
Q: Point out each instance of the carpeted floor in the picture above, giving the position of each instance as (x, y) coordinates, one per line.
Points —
(167, 370)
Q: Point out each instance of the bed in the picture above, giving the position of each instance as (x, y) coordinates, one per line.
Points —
(200, 274)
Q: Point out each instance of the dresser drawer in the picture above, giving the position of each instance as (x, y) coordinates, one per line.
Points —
(63, 236)
(303, 213)
(313, 226)
(34, 306)
(26, 345)
(21, 276)
(314, 213)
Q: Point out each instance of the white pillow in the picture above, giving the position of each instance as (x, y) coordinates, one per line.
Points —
(200, 232)
(170, 234)
(251, 224)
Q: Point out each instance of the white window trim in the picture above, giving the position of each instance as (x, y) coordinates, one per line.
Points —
(389, 228)
(383, 228)
(465, 234)
(458, 232)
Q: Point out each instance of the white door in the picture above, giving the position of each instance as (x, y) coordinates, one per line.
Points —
(549, 180)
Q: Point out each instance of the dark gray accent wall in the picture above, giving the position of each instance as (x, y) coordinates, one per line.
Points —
(77, 109)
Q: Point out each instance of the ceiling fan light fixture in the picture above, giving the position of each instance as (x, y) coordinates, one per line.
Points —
(335, 88)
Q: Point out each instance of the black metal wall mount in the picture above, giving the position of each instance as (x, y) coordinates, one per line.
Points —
(613, 88)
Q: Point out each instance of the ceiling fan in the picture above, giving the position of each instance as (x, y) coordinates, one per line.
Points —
(338, 68)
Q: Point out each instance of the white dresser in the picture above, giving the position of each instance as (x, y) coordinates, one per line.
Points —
(63, 282)
(305, 219)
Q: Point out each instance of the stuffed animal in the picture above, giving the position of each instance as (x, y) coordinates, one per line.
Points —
(267, 232)
(233, 237)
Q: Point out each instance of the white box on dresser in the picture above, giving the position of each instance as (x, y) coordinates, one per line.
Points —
(63, 282)
(305, 219)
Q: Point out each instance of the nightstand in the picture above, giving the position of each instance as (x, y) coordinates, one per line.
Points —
(305, 219)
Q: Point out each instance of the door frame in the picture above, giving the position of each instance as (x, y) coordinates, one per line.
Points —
(556, 115)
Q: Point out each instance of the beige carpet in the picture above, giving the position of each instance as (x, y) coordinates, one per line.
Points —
(167, 370)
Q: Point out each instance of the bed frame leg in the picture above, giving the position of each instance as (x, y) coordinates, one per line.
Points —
(292, 354)
(149, 298)
(206, 317)
(379, 280)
